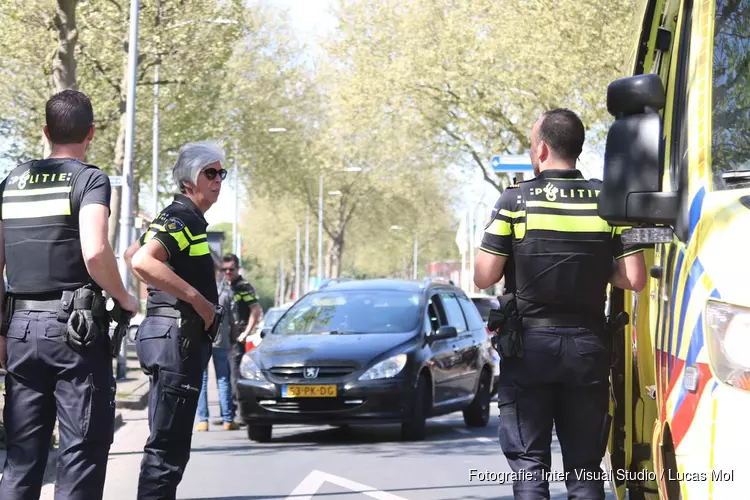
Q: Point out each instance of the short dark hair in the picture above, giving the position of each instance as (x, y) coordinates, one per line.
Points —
(563, 132)
(230, 257)
(69, 117)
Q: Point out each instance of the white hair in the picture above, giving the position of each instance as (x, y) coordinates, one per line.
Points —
(193, 158)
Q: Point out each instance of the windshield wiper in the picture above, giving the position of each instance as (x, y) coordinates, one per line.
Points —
(340, 332)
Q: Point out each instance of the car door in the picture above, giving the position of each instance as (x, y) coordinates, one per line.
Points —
(464, 352)
(442, 361)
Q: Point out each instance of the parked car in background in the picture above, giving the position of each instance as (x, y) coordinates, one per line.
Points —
(484, 303)
(367, 352)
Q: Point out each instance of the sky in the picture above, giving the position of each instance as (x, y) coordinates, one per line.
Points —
(310, 20)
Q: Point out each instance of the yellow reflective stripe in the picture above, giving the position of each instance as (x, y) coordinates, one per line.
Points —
(512, 215)
(567, 223)
(198, 249)
(563, 206)
(40, 191)
(36, 209)
(493, 252)
(519, 230)
(617, 230)
(498, 228)
(195, 238)
(181, 239)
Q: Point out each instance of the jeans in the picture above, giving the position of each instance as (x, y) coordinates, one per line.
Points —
(221, 366)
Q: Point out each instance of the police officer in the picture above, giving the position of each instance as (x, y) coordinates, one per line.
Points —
(564, 256)
(172, 257)
(55, 344)
(246, 312)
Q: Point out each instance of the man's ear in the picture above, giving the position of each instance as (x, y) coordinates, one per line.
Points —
(46, 133)
(90, 137)
(543, 151)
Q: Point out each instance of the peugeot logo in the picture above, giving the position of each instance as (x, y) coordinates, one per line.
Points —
(311, 372)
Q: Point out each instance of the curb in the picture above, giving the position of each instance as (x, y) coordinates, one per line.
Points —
(136, 400)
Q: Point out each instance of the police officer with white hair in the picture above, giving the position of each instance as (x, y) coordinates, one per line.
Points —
(174, 340)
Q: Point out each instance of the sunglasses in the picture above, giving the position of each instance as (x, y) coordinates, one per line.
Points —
(211, 173)
(228, 269)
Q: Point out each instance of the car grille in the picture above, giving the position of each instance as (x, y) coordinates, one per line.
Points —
(321, 405)
(287, 373)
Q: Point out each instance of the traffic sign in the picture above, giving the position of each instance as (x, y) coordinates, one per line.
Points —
(115, 180)
(511, 163)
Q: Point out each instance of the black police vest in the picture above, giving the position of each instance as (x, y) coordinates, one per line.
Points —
(40, 220)
(563, 250)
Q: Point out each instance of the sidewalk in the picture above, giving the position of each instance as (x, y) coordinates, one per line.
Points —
(131, 393)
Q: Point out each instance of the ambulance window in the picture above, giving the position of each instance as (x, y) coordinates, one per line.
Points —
(730, 126)
(679, 138)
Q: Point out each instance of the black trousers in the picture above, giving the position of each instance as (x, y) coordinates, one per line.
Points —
(47, 379)
(561, 378)
(176, 376)
(236, 351)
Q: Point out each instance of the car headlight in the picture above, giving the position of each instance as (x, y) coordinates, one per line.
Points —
(386, 369)
(249, 369)
(728, 329)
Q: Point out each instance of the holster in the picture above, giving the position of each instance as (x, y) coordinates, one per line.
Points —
(86, 316)
(507, 338)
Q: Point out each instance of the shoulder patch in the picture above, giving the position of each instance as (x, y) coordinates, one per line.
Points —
(173, 225)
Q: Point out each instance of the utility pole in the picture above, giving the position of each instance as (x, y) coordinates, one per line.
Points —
(126, 208)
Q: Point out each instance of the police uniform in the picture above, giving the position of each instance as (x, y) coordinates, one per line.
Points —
(46, 376)
(563, 254)
(173, 348)
(244, 297)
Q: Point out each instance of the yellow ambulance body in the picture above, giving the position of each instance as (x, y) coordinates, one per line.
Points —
(677, 169)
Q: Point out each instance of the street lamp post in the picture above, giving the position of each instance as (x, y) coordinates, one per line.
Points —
(126, 202)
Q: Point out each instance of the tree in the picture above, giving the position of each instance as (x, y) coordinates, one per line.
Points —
(479, 73)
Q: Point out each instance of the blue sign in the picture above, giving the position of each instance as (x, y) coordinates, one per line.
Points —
(511, 164)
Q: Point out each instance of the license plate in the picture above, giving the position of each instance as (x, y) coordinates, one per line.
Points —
(308, 391)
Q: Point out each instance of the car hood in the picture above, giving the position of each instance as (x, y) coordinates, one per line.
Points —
(356, 350)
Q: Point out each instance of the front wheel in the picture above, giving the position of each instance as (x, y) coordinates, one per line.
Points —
(259, 433)
(415, 427)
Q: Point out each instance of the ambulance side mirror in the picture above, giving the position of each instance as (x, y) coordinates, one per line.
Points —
(631, 193)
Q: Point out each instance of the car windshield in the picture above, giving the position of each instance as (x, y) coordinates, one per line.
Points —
(352, 312)
(272, 316)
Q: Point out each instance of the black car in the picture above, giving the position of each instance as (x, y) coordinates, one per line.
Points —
(370, 351)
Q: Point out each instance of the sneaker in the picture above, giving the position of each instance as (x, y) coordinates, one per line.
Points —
(202, 427)
(231, 426)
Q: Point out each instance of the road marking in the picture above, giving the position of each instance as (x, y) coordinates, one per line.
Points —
(312, 483)
(485, 440)
(463, 431)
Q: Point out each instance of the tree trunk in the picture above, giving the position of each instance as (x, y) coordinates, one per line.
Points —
(335, 253)
(63, 75)
(114, 218)
(63, 64)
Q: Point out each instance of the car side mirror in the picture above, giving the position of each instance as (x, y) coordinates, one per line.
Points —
(264, 332)
(631, 191)
(444, 332)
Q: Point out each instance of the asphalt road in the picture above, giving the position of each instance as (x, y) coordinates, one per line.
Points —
(314, 463)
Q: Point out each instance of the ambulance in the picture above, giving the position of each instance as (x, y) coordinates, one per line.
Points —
(677, 170)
